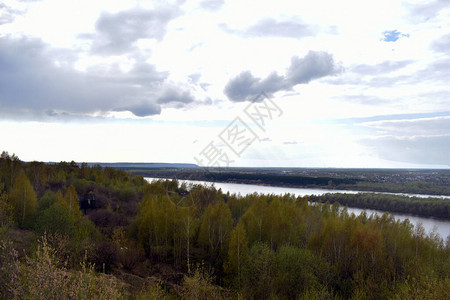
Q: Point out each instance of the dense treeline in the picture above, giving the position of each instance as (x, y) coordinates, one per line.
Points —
(345, 181)
(242, 177)
(273, 179)
(425, 207)
(165, 240)
(415, 187)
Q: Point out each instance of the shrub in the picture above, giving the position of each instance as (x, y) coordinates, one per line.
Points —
(200, 286)
(44, 276)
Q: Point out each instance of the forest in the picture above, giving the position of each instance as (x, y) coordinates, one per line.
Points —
(166, 240)
(429, 182)
(424, 207)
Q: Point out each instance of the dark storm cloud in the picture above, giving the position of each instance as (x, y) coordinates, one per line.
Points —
(37, 82)
(302, 70)
(117, 33)
(212, 5)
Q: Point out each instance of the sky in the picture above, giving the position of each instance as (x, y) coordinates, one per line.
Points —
(350, 83)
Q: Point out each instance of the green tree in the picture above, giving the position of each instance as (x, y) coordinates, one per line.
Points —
(237, 252)
(71, 199)
(216, 225)
(56, 219)
(46, 201)
(186, 225)
(148, 223)
(5, 213)
(255, 219)
(257, 273)
(10, 167)
(36, 172)
(295, 271)
(23, 199)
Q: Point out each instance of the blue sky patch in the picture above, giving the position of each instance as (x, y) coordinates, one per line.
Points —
(393, 35)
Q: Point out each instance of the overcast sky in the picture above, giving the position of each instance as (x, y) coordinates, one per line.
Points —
(346, 83)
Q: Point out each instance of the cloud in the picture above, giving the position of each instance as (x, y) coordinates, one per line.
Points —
(422, 140)
(314, 65)
(38, 82)
(245, 86)
(431, 126)
(117, 33)
(393, 35)
(8, 14)
(270, 27)
(266, 139)
(417, 149)
(379, 75)
(381, 68)
(438, 70)
(212, 5)
(195, 77)
(141, 109)
(364, 99)
(174, 94)
(442, 44)
(427, 11)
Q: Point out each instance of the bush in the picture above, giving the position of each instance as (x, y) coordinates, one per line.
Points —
(200, 286)
(44, 276)
(56, 219)
(104, 256)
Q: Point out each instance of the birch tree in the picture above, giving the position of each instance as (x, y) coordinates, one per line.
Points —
(23, 199)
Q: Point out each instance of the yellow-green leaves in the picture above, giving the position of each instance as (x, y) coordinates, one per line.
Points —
(71, 199)
(23, 199)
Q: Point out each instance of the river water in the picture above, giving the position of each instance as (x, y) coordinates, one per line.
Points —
(442, 226)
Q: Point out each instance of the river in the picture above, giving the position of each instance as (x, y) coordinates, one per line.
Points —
(442, 226)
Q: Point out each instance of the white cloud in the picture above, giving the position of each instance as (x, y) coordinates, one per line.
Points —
(314, 65)
(105, 63)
